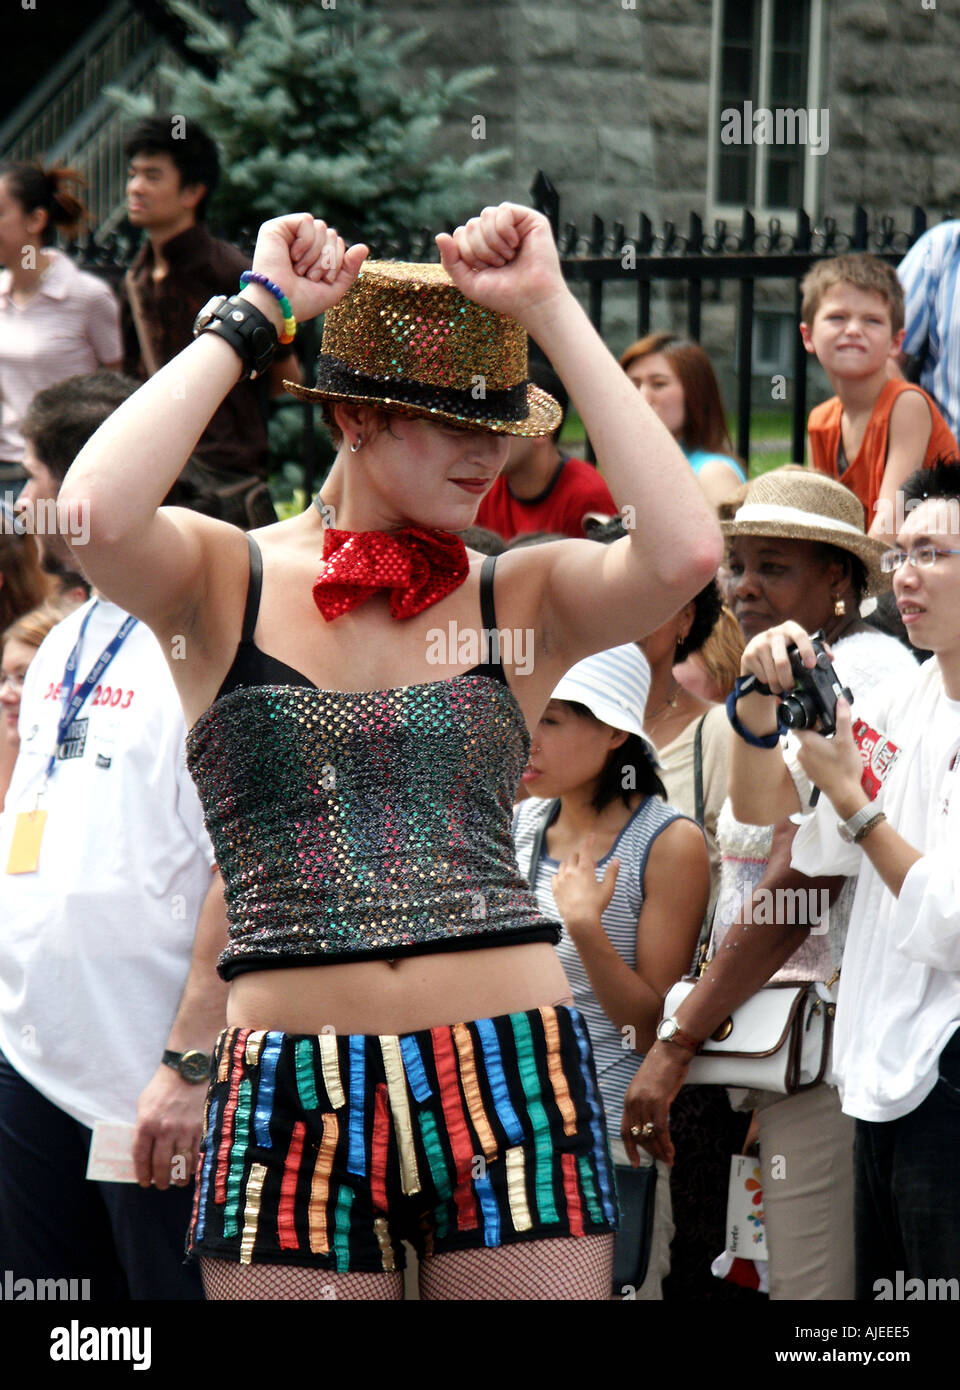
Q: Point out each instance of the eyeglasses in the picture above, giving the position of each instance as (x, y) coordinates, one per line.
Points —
(15, 682)
(924, 556)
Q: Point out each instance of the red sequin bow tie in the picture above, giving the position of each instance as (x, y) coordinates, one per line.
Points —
(418, 567)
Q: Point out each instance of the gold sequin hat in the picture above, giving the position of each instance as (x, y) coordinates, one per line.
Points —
(405, 339)
(795, 503)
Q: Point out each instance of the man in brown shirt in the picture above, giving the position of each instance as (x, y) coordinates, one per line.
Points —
(173, 169)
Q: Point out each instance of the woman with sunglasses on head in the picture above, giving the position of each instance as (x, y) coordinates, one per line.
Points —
(374, 1082)
(798, 551)
(678, 381)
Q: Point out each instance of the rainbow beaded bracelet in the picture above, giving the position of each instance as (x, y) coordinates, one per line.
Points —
(253, 277)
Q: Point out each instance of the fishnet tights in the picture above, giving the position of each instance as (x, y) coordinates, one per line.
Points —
(573, 1267)
(222, 1279)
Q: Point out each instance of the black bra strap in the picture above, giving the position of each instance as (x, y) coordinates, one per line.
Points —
(488, 612)
(254, 585)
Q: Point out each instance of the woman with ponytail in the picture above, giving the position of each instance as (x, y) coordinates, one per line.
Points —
(55, 320)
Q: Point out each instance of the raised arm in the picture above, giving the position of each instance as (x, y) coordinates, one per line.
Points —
(155, 561)
(593, 597)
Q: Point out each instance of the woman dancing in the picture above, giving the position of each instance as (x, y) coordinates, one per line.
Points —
(357, 780)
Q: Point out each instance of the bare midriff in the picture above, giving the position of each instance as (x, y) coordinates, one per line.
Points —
(402, 996)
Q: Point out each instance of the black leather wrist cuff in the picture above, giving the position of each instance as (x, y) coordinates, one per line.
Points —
(248, 331)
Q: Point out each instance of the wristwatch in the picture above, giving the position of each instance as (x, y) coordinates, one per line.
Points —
(860, 824)
(669, 1030)
(193, 1066)
(249, 332)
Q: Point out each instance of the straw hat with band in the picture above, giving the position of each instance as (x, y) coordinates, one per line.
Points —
(796, 504)
(405, 339)
(614, 686)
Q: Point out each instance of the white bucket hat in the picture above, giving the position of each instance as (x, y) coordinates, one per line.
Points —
(614, 686)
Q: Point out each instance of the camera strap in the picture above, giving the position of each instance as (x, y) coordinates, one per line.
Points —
(743, 686)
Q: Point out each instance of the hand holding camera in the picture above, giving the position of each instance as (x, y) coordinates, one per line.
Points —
(810, 694)
(786, 661)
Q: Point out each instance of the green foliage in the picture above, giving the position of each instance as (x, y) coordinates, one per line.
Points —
(285, 430)
(325, 109)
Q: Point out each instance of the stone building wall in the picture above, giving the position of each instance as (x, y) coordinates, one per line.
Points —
(611, 98)
(614, 103)
(570, 95)
(893, 89)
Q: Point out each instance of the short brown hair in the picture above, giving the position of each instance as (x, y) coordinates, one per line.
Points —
(863, 272)
(61, 418)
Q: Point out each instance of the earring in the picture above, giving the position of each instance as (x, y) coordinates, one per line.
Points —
(839, 607)
(357, 445)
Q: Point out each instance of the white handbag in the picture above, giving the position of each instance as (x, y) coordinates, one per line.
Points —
(778, 1040)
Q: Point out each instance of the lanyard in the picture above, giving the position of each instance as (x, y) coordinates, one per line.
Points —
(72, 699)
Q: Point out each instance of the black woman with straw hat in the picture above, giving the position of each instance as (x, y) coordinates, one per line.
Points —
(797, 552)
(378, 1080)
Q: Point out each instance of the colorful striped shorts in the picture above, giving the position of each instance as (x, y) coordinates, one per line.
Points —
(330, 1150)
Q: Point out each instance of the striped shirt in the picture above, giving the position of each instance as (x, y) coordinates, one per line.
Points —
(615, 1060)
(929, 274)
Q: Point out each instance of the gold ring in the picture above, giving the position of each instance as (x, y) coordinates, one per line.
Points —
(648, 1129)
(635, 1131)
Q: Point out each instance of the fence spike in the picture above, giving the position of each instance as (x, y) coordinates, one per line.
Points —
(546, 199)
(859, 228)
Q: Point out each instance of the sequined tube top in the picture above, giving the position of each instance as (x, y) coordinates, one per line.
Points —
(361, 825)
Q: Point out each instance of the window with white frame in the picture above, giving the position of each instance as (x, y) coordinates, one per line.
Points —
(767, 130)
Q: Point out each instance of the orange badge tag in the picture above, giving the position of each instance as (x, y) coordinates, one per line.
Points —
(25, 845)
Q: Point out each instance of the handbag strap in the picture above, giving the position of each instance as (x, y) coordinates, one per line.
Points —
(700, 954)
(139, 322)
(541, 835)
(698, 770)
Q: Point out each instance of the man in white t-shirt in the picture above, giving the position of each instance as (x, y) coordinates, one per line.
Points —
(107, 896)
(897, 1039)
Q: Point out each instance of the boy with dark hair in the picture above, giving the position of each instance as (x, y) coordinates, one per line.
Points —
(875, 431)
(173, 169)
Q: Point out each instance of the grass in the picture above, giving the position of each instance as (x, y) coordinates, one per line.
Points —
(766, 426)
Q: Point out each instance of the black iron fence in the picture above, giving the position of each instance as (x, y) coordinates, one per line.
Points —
(601, 256)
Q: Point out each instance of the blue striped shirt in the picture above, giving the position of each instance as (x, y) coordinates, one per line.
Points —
(929, 275)
(615, 1060)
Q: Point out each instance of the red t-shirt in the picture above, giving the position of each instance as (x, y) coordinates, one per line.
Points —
(575, 489)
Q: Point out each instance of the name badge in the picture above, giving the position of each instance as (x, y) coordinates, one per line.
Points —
(24, 857)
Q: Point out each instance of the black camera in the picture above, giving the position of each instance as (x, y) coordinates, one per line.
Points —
(812, 703)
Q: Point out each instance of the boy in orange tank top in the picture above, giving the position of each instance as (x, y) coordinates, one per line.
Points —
(875, 431)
